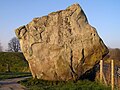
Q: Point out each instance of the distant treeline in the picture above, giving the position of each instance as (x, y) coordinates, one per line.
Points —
(113, 54)
(13, 62)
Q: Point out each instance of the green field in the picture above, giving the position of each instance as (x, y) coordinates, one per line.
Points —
(13, 62)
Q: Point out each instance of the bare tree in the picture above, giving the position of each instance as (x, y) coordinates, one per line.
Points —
(14, 45)
(1, 48)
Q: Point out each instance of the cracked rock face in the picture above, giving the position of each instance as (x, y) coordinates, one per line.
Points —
(61, 45)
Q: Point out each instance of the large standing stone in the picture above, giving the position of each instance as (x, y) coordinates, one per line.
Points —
(61, 45)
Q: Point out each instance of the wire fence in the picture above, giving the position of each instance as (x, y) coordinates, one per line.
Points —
(107, 75)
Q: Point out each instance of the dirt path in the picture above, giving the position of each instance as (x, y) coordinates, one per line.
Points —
(11, 84)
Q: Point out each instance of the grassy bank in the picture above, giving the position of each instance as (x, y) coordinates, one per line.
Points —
(9, 75)
(13, 62)
(35, 84)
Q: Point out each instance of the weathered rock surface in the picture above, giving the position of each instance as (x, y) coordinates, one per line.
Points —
(61, 45)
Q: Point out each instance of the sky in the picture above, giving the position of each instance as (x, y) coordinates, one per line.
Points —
(104, 15)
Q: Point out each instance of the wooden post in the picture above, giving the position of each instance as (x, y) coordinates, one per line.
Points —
(101, 71)
(112, 74)
(105, 81)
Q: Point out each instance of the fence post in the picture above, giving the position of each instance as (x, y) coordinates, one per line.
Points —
(112, 74)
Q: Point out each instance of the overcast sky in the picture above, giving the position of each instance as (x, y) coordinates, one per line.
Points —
(104, 15)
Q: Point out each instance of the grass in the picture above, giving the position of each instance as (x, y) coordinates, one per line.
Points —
(35, 84)
(9, 75)
(13, 61)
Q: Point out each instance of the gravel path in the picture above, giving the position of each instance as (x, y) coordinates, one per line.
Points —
(11, 84)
